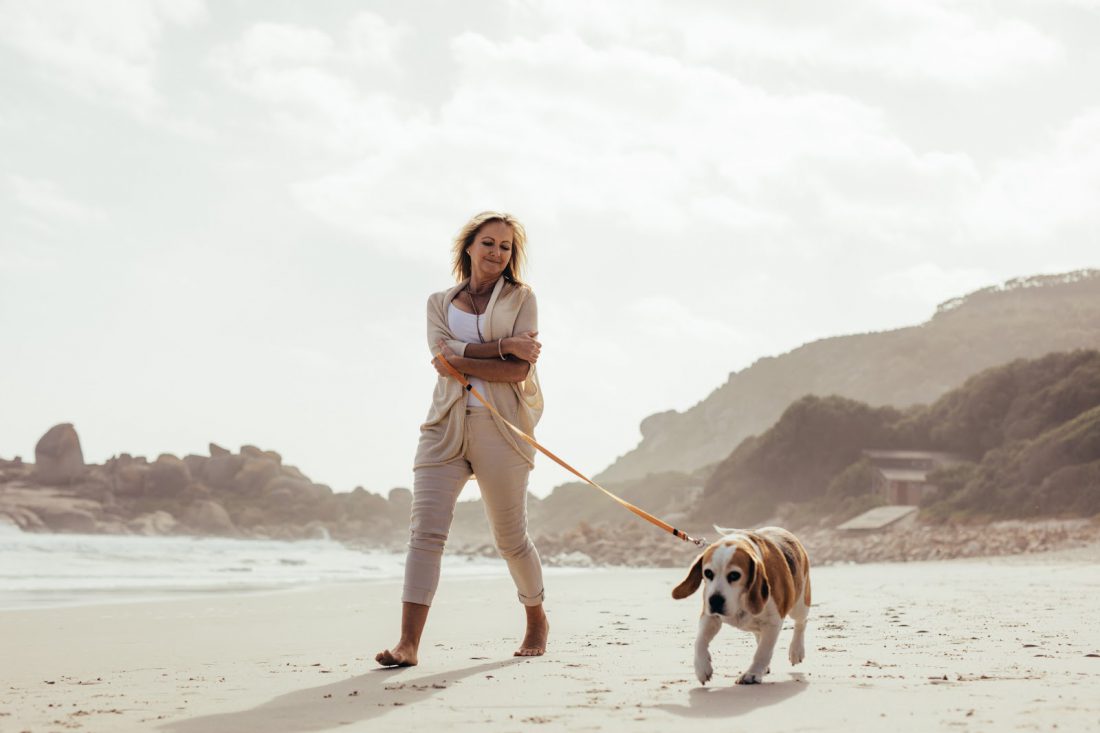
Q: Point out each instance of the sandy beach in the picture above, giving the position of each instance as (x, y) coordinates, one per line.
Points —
(1002, 644)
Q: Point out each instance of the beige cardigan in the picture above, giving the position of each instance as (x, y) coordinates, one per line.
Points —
(512, 310)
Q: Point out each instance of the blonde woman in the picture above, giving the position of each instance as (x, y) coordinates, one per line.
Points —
(485, 326)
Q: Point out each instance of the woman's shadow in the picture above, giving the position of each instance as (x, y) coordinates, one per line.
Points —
(727, 702)
(366, 696)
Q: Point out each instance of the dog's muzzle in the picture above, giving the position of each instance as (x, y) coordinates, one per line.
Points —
(717, 603)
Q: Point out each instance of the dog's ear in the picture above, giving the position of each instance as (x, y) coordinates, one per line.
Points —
(756, 595)
(690, 584)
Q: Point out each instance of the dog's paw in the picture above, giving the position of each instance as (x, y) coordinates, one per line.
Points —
(797, 652)
(703, 669)
(751, 678)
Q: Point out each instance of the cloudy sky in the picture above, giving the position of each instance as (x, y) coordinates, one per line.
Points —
(221, 221)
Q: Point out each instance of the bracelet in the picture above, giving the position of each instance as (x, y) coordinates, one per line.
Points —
(499, 351)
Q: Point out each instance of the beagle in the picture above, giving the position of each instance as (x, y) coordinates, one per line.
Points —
(754, 579)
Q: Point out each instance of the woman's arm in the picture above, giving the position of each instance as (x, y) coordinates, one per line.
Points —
(491, 370)
(524, 346)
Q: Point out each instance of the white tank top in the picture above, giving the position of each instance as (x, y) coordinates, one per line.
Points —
(464, 326)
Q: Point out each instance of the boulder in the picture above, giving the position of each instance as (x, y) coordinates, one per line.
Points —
(194, 464)
(210, 517)
(317, 492)
(58, 457)
(297, 487)
(362, 505)
(293, 472)
(168, 476)
(219, 471)
(67, 519)
(254, 475)
(217, 450)
(251, 451)
(129, 478)
(251, 516)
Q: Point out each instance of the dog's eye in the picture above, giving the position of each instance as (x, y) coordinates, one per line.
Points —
(733, 577)
(708, 574)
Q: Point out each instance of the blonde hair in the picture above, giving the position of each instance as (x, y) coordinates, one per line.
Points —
(466, 235)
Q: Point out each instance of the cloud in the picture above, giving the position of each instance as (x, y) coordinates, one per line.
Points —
(375, 42)
(47, 202)
(310, 80)
(1045, 196)
(645, 144)
(909, 40)
(106, 48)
(665, 317)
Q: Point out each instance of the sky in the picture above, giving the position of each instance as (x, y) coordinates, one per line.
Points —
(220, 222)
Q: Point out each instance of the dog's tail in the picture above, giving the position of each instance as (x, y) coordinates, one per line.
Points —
(726, 530)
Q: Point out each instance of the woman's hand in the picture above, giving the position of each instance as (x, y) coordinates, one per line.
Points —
(448, 354)
(524, 346)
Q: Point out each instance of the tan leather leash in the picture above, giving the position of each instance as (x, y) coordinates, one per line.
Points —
(527, 438)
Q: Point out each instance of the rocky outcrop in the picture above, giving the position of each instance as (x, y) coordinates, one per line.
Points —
(35, 508)
(251, 493)
(58, 458)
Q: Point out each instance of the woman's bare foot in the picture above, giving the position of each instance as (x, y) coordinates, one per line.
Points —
(403, 655)
(413, 618)
(538, 629)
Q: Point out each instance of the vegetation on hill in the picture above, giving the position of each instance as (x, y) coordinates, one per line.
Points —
(1030, 428)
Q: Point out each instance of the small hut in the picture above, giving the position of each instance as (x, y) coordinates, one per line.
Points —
(901, 476)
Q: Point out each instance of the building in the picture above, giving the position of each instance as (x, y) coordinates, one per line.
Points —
(901, 476)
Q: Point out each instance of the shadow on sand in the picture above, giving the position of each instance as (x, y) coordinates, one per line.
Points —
(728, 702)
(363, 697)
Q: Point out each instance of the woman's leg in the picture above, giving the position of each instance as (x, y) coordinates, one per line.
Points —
(435, 491)
(405, 652)
(502, 475)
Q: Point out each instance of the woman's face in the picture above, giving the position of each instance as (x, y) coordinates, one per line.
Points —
(491, 250)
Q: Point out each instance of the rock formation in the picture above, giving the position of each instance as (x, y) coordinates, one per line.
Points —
(58, 458)
(251, 493)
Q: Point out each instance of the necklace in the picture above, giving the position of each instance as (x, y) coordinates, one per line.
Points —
(477, 316)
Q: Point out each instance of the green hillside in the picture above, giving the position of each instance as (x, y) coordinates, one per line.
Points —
(1031, 429)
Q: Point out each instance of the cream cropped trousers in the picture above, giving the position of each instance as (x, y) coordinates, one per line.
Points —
(501, 474)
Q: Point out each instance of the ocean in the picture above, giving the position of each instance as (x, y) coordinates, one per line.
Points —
(49, 570)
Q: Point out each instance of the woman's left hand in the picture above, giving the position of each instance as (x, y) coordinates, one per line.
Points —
(448, 354)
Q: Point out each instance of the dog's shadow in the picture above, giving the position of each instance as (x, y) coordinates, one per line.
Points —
(728, 702)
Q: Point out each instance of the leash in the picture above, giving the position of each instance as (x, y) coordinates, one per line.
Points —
(528, 439)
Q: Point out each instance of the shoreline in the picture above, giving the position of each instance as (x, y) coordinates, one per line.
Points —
(634, 545)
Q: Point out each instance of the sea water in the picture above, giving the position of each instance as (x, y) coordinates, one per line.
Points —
(42, 570)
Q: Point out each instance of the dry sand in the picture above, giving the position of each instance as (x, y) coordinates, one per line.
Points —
(996, 645)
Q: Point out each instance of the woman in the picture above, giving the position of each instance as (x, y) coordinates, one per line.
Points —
(485, 327)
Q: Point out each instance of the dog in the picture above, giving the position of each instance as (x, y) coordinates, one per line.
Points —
(754, 579)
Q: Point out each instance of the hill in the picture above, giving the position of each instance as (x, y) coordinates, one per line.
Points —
(1030, 429)
(1024, 318)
